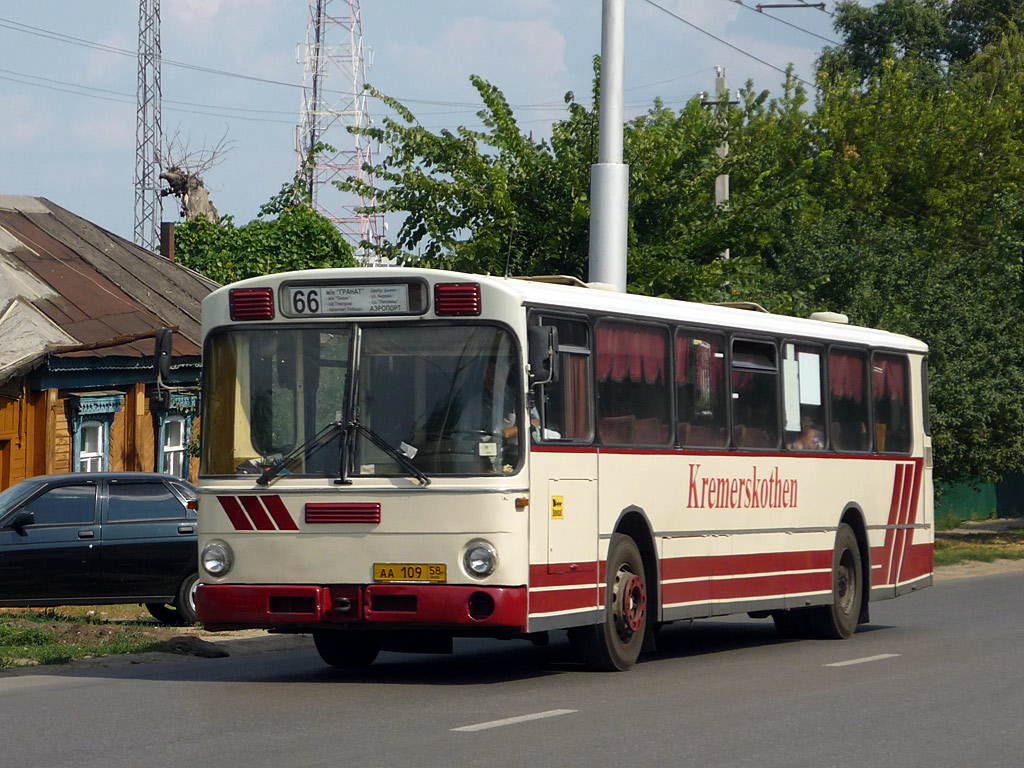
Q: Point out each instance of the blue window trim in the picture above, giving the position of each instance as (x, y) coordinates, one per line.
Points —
(93, 408)
(183, 406)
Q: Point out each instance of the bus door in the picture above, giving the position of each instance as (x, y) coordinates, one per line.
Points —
(572, 522)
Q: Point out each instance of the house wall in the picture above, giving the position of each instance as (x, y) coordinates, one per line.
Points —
(12, 438)
(36, 433)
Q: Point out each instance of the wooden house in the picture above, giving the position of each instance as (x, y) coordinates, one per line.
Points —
(79, 309)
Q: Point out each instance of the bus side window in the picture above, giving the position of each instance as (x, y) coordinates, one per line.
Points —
(561, 408)
(803, 372)
(633, 396)
(848, 392)
(701, 392)
(891, 406)
(755, 394)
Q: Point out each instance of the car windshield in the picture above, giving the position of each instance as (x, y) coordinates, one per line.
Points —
(447, 398)
(14, 495)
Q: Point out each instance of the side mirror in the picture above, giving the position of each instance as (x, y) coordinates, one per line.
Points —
(162, 354)
(543, 354)
(20, 520)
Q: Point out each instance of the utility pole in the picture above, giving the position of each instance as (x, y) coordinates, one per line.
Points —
(722, 180)
(720, 101)
(609, 177)
(148, 132)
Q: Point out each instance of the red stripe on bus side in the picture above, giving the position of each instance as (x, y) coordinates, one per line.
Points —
(257, 513)
(562, 600)
(282, 518)
(234, 512)
(915, 496)
(919, 561)
(901, 531)
(890, 530)
(540, 577)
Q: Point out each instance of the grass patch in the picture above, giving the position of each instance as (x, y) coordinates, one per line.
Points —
(47, 637)
(983, 547)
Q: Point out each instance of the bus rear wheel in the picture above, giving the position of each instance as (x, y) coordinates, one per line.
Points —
(614, 645)
(838, 620)
(347, 650)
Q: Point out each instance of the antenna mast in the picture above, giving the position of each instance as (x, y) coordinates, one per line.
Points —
(148, 132)
(334, 99)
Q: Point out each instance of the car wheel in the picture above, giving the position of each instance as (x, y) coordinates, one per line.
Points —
(185, 603)
(163, 613)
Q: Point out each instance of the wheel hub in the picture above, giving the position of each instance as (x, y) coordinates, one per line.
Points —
(629, 603)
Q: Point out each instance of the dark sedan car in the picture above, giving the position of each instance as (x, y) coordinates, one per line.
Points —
(100, 538)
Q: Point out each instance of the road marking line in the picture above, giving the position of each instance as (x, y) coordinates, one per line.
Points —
(514, 720)
(865, 660)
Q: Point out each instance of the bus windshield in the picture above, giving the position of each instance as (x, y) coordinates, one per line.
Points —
(447, 397)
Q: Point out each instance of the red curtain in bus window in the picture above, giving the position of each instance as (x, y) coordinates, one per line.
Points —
(630, 352)
(846, 374)
(708, 369)
(888, 375)
(576, 386)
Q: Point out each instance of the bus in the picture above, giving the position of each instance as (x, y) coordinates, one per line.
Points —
(395, 457)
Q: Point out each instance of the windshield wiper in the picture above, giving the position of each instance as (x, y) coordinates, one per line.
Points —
(391, 451)
(318, 440)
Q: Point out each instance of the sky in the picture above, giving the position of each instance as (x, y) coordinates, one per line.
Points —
(232, 76)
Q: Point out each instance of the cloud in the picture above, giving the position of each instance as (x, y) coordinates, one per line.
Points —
(533, 49)
(25, 121)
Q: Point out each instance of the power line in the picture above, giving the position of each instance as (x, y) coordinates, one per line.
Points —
(724, 42)
(125, 98)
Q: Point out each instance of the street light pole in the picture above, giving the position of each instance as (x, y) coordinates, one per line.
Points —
(609, 177)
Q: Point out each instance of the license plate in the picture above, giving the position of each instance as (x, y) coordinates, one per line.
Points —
(436, 573)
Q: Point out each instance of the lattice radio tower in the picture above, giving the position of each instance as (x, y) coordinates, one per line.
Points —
(148, 133)
(333, 98)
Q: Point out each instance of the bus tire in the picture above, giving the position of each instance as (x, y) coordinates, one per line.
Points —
(793, 624)
(347, 650)
(838, 620)
(614, 645)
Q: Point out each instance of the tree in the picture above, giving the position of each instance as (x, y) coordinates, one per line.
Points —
(288, 235)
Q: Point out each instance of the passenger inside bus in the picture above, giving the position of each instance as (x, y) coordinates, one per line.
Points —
(811, 437)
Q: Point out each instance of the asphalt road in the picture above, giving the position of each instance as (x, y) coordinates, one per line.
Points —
(935, 680)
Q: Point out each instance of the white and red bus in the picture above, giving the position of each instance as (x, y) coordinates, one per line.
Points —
(395, 457)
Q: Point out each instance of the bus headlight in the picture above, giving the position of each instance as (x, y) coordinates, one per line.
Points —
(480, 559)
(217, 558)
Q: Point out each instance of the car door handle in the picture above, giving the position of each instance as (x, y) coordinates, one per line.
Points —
(186, 529)
(87, 534)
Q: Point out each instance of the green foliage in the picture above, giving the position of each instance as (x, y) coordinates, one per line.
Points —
(31, 636)
(895, 197)
(288, 235)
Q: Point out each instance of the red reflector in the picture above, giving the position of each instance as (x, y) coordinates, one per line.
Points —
(457, 299)
(343, 513)
(251, 303)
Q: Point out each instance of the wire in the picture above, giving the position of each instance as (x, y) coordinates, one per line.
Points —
(60, 37)
(131, 99)
(788, 24)
(726, 43)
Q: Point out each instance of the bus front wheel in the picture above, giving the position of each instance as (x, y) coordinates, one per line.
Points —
(615, 644)
(347, 650)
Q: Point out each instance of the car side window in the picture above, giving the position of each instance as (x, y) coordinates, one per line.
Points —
(65, 505)
(142, 501)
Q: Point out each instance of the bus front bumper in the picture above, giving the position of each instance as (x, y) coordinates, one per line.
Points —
(296, 607)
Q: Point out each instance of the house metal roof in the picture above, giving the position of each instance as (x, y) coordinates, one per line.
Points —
(69, 288)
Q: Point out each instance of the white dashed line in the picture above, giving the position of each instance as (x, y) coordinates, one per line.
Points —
(865, 660)
(514, 720)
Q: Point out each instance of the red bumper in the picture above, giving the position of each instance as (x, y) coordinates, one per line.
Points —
(297, 606)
